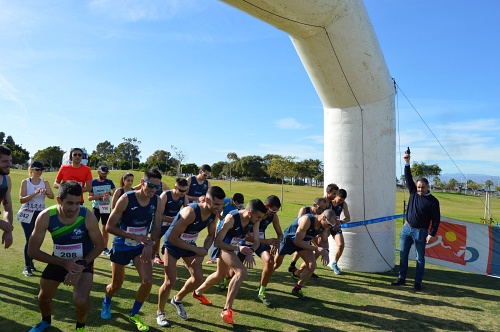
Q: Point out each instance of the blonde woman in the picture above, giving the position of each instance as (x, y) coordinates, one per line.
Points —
(32, 197)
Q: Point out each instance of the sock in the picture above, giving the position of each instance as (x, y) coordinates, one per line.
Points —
(262, 290)
(175, 300)
(298, 287)
(79, 325)
(136, 308)
(157, 255)
(107, 299)
(47, 319)
(292, 263)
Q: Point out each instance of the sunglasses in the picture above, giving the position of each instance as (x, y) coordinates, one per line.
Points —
(273, 211)
(330, 224)
(152, 185)
(182, 191)
(77, 154)
(206, 175)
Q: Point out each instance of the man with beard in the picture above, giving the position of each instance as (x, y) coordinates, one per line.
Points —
(6, 221)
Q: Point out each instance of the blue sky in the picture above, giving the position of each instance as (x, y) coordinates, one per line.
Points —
(209, 79)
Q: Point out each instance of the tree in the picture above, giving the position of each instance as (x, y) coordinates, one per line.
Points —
(488, 184)
(51, 156)
(180, 156)
(100, 154)
(280, 168)
(20, 155)
(421, 170)
(252, 167)
(452, 184)
(310, 168)
(191, 168)
(128, 150)
(2, 137)
(218, 168)
(233, 159)
(159, 158)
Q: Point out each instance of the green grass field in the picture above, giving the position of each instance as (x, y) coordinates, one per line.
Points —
(451, 300)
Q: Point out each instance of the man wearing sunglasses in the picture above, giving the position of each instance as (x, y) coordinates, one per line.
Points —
(320, 204)
(75, 171)
(130, 221)
(298, 236)
(172, 201)
(180, 242)
(198, 185)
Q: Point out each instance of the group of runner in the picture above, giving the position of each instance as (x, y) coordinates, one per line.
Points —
(138, 217)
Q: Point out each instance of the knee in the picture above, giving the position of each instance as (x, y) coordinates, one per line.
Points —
(341, 246)
(81, 301)
(312, 265)
(242, 273)
(147, 282)
(116, 285)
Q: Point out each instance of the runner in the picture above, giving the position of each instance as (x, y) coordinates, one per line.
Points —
(129, 222)
(180, 242)
(297, 237)
(77, 242)
(6, 223)
(198, 185)
(100, 195)
(236, 226)
(75, 171)
(339, 205)
(32, 197)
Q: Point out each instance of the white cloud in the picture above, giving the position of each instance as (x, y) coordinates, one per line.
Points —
(290, 123)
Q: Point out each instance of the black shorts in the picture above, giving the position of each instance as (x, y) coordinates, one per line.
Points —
(103, 217)
(124, 257)
(58, 273)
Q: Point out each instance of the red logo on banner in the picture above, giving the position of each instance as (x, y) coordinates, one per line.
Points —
(449, 243)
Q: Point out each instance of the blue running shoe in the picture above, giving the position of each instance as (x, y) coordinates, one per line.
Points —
(335, 268)
(40, 327)
(106, 310)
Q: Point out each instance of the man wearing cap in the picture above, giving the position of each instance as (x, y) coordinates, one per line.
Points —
(6, 221)
(102, 189)
(76, 172)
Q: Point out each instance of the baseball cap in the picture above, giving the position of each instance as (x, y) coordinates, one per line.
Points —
(37, 165)
(103, 169)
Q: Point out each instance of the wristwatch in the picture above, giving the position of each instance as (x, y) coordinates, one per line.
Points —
(81, 262)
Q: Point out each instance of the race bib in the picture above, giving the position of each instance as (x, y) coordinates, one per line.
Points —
(236, 240)
(262, 235)
(189, 238)
(166, 223)
(25, 215)
(68, 251)
(104, 208)
(136, 231)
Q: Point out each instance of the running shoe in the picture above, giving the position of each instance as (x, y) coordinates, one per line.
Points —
(162, 320)
(292, 268)
(180, 308)
(211, 261)
(80, 329)
(264, 300)
(335, 268)
(202, 299)
(28, 272)
(131, 263)
(294, 276)
(223, 284)
(227, 316)
(297, 292)
(106, 310)
(141, 326)
(158, 260)
(40, 327)
(106, 252)
(33, 268)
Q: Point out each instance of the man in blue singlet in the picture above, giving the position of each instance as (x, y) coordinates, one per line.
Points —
(198, 185)
(236, 226)
(180, 242)
(77, 242)
(130, 221)
(268, 246)
(297, 237)
(100, 195)
(172, 201)
(6, 221)
(320, 204)
(339, 205)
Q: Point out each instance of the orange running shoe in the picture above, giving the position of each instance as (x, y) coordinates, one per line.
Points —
(202, 299)
(227, 316)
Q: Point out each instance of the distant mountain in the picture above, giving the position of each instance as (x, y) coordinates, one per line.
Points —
(478, 178)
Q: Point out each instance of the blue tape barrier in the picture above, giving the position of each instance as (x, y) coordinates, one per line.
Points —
(371, 221)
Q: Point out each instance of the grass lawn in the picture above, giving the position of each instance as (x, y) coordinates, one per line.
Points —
(450, 301)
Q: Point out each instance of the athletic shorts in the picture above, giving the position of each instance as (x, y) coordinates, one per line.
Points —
(177, 252)
(124, 257)
(287, 247)
(263, 247)
(335, 232)
(103, 217)
(58, 273)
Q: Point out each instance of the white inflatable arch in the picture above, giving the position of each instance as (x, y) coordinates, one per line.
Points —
(340, 52)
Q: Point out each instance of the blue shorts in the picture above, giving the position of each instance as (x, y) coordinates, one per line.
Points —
(263, 247)
(124, 257)
(58, 273)
(287, 247)
(177, 252)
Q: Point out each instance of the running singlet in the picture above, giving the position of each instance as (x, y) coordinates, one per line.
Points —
(135, 219)
(262, 227)
(337, 209)
(70, 241)
(99, 188)
(172, 207)
(291, 230)
(37, 203)
(196, 189)
(3, 188)
(307, 209)
(190, 234)
(237, 233)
